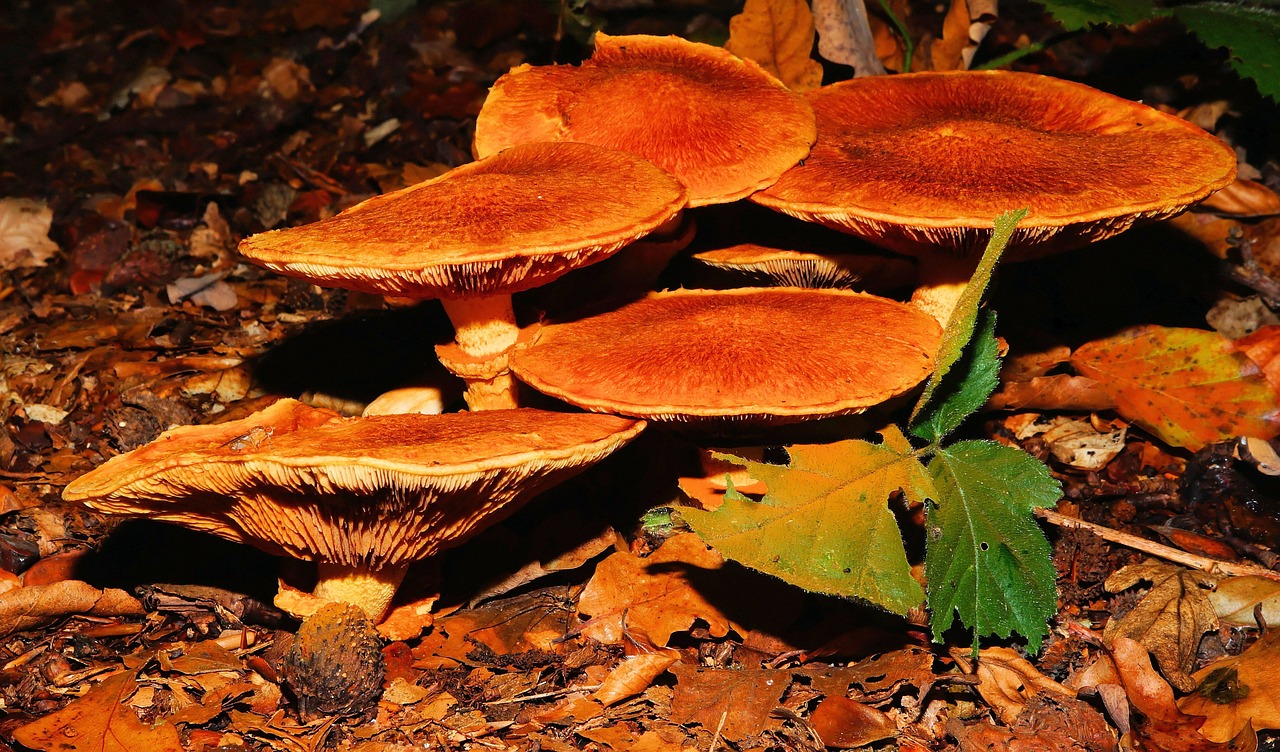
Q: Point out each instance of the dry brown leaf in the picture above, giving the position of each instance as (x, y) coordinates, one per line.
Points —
(1235, 599)
(1263, 348)
(777, 34)
(1245, 198)
(845, 42)
(1162, 726)
(30, 607)
(652, 594)
(1239, 691)
(1057, 392)
(100, 722)
(879, 675)
(633, 676)
(947, 53)
(623, 738)
(844, 723)
(1170, 620)
(24, 233)
(1007, 681)
(742, 698)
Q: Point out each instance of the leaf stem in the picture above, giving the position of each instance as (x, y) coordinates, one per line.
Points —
(908, 46)
(1030, 49)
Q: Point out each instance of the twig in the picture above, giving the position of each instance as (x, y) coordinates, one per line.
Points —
(544, 695)
(715, 740)
(1202, 563)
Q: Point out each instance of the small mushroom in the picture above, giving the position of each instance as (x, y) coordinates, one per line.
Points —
(741, 357)
(794, 268)
(363, 497)
(922, 163)
(720, 124)
(475, 235)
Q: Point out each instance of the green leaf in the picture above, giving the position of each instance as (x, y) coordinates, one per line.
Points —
(966, 388)
(959, 329)
(986, 559)
(1250, 32)
(825, 524)
(1075, 15)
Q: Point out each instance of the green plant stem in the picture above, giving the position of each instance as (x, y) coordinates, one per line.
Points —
(1022, 52)
(908, 46)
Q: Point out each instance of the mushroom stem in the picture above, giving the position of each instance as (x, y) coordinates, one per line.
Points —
(943, 278)
(370, 590)
(484, 331)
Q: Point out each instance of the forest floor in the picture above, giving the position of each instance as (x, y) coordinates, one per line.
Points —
(160, 134)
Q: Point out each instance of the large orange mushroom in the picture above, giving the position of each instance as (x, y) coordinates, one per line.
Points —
(363, 497)
(922, 163)
(720, 124)
(477, 234)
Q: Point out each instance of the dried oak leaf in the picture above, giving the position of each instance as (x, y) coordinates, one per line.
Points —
(1170, 620)
(653, 594)
(1161, 725)
(778, 34)
(30, 607)
(100, 721)
(740, 699)
(1239, 691)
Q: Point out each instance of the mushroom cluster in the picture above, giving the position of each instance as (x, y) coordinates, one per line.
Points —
(575, 165)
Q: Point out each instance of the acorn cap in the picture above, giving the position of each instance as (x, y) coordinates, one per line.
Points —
(372, 492)
(787, 267)
(722, 125)
(922, 163)
(765, 356)
(496, 226)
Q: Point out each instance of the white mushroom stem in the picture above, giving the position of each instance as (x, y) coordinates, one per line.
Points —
(943, 278)
(370, 590)
(485, 330)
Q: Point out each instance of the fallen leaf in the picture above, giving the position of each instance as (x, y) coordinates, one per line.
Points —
(1187, 386)
(24, 233)
(633, 676)
(1059, 391)
(843, 41)
(100, 721)
(740, 699)
(1170, 620)
(1050, 723)
(623, 738)
(777, 34)
(1161, 725)
(1263, 348)
(652, 594)
(1236, 598)
(1007, 681)
(1078, 444)
(844, 723)
(1244, 198)
(1239, 691)
(32, 606)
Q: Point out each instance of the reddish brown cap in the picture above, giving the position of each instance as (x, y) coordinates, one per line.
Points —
(923, 162)
(499, 225)
(772, 355)
(368, 493)
(721, 124)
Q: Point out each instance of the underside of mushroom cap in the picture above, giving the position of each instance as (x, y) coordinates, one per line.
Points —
(496, 226)
(763, 356)
(922, 163)
(372, 492)
(722, 125)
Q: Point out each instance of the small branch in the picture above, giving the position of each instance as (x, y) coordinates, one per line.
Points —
(1178, 556)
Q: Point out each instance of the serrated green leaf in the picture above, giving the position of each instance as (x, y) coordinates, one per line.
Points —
(959, 328)
(986, 559)
(825, 524)
(1250, 32)
(1075, 15)
(967, 387)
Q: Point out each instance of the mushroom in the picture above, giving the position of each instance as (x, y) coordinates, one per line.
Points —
(363, 497)
(475, 235)
(733, 357)
(921, 163)
(795, 268)
(720, 124)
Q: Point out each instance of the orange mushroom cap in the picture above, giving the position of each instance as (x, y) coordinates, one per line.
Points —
(774, 355)
(496, 226)
(923, 162)
(722, 125)
(797, 268)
